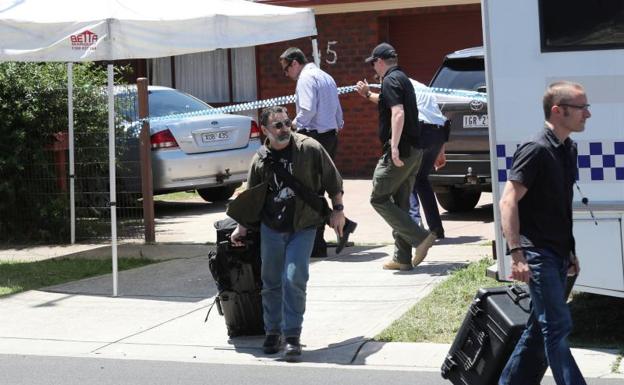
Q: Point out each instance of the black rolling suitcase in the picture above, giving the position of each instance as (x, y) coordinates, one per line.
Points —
(236, 271)
(494, 322)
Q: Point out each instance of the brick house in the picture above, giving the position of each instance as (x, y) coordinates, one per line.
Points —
(422, 31)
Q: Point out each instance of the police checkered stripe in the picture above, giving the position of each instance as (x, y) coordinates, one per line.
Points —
(597, 161)
(282, 100)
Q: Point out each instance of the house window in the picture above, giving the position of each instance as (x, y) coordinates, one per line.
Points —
(216, 77)
(575, 25)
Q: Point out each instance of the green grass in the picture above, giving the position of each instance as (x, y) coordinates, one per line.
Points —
(177, 196)
(21, 276)
(437, 317)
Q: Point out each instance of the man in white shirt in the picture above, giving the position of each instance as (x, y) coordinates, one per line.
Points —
(319, 116)
(434, 133)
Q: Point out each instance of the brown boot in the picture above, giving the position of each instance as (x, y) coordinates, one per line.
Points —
(392, 265)
(422, 248)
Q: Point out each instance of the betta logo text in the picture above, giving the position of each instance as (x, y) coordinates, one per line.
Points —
(84, 40)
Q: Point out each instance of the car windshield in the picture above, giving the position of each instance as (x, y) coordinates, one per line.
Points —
(169, 102)
(461, 74)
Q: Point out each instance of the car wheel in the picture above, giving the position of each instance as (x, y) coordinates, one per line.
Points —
(218, 194)
(458, 199)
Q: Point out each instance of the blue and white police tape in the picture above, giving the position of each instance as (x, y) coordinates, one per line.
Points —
(282, 100)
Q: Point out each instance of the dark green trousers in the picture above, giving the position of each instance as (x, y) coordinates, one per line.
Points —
(392, 187)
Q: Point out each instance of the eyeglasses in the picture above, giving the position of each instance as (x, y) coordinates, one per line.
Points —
(372, 63)
(576, 106)
(285, 69)
(282, 124)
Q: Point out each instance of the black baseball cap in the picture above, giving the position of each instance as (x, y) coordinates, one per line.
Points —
(382, 51)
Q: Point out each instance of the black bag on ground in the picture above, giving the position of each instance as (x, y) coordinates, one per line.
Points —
(487, 337)
(236, 270)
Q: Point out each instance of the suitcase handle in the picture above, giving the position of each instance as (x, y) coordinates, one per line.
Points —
(517, 293)
(227, 246)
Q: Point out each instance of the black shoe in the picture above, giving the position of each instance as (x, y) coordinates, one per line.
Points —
(439, 232)
(348, 228)
(319, 253)
(272, 343)
(292, 352)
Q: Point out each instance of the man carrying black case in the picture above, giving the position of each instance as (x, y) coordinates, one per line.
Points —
(489, 333)
(288, 222)
(536, 217)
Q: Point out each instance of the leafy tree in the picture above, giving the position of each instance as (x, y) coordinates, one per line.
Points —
(33, 110)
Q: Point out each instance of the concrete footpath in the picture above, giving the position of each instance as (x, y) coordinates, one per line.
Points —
(160, 311)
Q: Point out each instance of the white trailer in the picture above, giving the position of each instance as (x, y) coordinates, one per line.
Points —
(528, 45)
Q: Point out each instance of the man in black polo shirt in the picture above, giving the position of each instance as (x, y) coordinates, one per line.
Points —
(536, 216)
(396, 170)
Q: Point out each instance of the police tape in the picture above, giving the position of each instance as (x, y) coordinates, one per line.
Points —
(288, 99)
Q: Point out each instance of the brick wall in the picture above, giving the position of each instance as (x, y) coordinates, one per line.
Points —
(356, 34)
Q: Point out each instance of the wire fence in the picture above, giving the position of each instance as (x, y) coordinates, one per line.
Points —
(36, 178)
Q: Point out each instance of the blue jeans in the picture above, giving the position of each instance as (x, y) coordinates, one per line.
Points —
(544, 341)
(285, 273)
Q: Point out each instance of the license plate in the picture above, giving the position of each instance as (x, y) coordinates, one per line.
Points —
(475, 121)
(215, 136)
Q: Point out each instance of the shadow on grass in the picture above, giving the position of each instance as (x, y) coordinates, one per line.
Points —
(598, 321)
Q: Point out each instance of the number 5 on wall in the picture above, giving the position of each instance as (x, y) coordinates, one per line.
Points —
(331, 53)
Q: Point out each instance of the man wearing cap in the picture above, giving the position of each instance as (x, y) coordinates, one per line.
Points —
(394, 175)
(319, 116)
(287, 223)
(435, 130)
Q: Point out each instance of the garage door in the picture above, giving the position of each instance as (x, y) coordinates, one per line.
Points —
(423, 40)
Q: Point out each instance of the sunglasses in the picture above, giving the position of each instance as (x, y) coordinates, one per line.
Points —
(372, 63)
(575, 106)
(282, 124)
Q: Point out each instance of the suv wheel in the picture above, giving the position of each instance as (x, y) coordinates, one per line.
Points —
(218, 194)
(458, 199)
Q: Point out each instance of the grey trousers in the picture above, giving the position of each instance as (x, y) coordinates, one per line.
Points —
(392, 187)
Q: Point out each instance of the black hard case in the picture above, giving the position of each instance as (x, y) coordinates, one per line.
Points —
(236, 271)
(494, 322)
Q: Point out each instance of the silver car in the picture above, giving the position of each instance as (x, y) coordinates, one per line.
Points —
(209, 153)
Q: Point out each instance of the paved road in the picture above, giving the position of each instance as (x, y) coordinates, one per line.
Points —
(39, 370)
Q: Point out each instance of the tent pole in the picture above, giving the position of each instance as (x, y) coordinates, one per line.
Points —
(315, 53)
(70, 128)
(111, 169)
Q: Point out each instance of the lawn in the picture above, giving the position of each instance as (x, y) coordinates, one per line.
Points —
(437, 317)
(21, 276)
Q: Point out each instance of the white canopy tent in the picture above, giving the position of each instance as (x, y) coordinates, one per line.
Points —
(76, 31)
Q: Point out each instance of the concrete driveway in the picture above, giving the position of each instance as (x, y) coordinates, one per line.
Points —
(192, 221)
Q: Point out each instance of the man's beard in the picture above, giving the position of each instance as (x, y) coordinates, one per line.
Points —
(280, 139)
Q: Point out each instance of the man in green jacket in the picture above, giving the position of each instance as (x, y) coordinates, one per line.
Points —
(287, 223)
